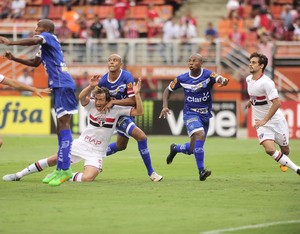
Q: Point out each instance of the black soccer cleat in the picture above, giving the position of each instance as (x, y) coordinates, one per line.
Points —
(298, 171)
(172, 153)
(204, 174)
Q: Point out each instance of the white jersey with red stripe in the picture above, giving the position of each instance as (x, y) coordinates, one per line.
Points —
(261, 92)
(101, 126)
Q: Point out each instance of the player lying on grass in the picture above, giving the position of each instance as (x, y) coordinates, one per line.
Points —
(21, 86)
(92, 144)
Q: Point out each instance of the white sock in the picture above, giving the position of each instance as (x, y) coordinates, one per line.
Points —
(34, 167)
(284, 160)
(76, 177)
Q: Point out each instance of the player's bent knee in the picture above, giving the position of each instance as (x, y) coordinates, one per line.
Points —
(88, 178)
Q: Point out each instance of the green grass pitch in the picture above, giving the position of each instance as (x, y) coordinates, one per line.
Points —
(246, 193)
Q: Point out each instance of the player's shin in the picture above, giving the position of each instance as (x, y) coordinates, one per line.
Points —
(284, 160)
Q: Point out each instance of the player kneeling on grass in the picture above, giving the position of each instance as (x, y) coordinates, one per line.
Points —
(92, 143)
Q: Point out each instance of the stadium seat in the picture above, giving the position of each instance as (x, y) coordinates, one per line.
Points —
(33, 12)
(165, 11)
(104, 11)
(55, 12)
(91, 11)
(276, 11)
(138, 12)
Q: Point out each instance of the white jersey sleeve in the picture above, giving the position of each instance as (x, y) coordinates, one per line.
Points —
(271, 90)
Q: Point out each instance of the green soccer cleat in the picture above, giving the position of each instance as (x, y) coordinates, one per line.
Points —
(50, 176)
(62, 176)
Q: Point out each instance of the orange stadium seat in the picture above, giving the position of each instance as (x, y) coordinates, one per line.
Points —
(142, 26)
(165, 11)
(91, 11)
(33, 12)
(104, 11)
(138, 12)
(55, 12)
(276, 11)
(34, 2)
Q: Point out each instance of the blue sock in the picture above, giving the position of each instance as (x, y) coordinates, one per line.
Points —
(112, 148)
(144, 151)
(199, 154)
(184, 148)
(59, 158)
(64, 152)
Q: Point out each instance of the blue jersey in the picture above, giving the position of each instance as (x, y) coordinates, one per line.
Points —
(121, 88)
(53, 61)
(197, 91)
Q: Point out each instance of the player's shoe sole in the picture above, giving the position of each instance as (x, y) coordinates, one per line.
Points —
(283, 168)
(172, 154)
(204, 174)
(156, 177)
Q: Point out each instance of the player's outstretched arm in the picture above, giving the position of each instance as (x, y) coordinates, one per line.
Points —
(165, 111)
(138, 110)
(21, 86)
(84, 96)
(35, 62)
(22, 42)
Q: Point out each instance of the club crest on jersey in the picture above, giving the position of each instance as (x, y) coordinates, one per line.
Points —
(101, 120)
(213, 75)
(129, 86)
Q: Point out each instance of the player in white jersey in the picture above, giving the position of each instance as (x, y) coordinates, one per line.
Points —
(21, 86)
(269, 121)
(92, 144)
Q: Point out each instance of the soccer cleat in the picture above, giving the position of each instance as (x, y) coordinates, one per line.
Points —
(283, 168)
(155, 177)
(61, 177)
(11, 177)
(50, 176)
(204, 174)
(298, 171)
(172, 153)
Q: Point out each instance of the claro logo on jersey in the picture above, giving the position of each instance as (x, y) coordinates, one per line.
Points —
(204, 98)
(24, 115)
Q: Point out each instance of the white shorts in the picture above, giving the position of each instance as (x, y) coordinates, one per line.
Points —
(277, 131)
(82, 151)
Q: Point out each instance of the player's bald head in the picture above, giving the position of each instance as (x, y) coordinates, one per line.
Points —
(47, 24)
(115, 56)
(197, 56)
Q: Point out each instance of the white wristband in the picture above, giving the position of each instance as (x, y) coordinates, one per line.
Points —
(1, 77)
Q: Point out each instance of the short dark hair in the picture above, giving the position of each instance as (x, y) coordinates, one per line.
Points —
(262, 59)
(100, 90)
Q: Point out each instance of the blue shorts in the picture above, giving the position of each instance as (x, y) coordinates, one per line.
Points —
(65, 102)
(195, 122)
(125, 125)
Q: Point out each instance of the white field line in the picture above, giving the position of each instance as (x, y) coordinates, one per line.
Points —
(262, 225)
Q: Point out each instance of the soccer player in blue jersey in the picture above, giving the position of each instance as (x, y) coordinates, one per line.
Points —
(197, 85)
(119, 82)
(63, 89)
